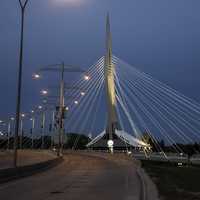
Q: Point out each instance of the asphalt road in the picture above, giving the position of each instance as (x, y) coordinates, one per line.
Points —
(79, 177)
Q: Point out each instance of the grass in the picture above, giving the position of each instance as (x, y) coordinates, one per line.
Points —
(174, 183)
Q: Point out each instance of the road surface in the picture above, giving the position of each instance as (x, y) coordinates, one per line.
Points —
(79, 177)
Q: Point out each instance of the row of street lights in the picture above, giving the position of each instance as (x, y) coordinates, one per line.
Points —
(61, 68)
(23, 5)
(32, 112)
(31, 116)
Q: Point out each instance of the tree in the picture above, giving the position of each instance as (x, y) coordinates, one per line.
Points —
(190, 151)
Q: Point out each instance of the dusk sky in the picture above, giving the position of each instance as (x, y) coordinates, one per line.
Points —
(159, 37)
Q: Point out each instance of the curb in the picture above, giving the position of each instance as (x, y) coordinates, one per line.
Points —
(143, 192)
(11, 174)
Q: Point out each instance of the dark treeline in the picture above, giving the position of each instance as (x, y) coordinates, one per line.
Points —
(157, 146)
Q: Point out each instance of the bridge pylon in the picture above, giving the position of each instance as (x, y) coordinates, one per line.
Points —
(113, 137)
(109, 73)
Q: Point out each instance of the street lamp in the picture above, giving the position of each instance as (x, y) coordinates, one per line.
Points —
(8, 134)
(67, 108)
(19, 85)
(82, 93)
(44, 92)
(43, 128)
(52, 128)
(32, 131)
(36, 76)
(21, 130)
(86, 77)
(12, 119)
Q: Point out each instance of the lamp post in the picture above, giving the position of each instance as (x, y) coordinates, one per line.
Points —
(21, 131)
(43, 128)
(19, 85)
(12, 126)
(32, 131)
(61, 107)
(52, 128)
(8, 135)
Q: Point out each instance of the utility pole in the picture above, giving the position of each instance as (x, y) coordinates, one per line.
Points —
(21, 134)
(19, 85)
(61, 68)
(52, 128)
(61, 111)
(8, 136)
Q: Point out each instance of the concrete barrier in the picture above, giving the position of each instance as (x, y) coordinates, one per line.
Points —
(10, 174)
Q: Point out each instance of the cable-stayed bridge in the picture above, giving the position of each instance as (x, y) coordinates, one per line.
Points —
(117, 106)
(121, 109)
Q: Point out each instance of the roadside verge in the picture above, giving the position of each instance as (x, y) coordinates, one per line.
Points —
(10, 174)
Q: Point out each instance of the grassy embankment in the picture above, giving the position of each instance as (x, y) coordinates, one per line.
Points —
(173, 182)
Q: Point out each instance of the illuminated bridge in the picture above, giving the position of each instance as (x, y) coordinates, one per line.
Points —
(112, 114)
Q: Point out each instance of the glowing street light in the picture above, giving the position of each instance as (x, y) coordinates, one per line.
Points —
(44, 92)
(86, 77)
(82, 93)
(12, 118)
(36, 76)
(23, 115)
(1, 121)
(32, 111)
(76, 102)
(40, 107)
(66, 108)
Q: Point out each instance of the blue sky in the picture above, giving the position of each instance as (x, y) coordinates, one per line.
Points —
(159, 37)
